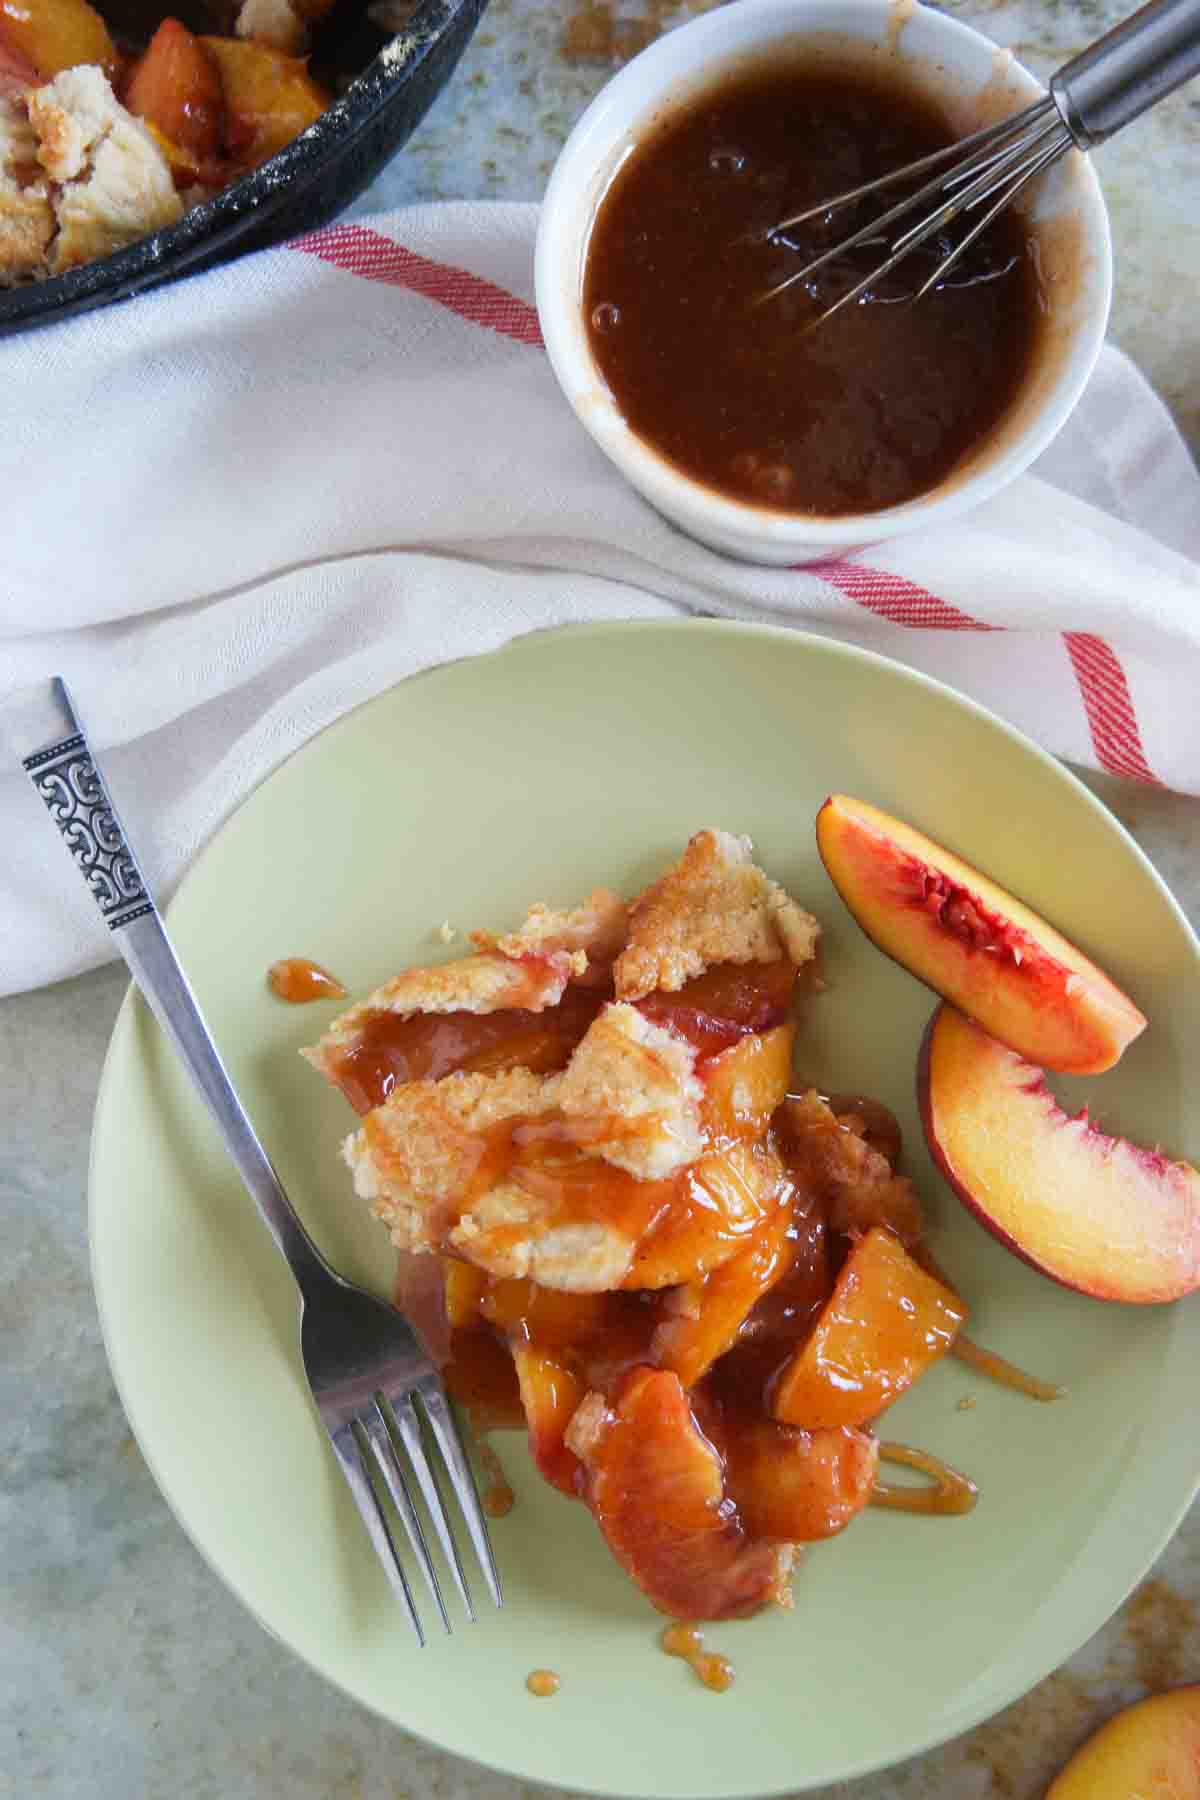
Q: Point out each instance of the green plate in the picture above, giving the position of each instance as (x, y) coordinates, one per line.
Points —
(574, 758)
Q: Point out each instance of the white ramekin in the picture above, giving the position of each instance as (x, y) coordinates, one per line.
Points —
(976, 83)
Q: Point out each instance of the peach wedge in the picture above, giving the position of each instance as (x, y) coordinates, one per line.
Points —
(1151, 1750)
(656, 1488)
(973, 943)
(886, 1322)
(1093, 1212)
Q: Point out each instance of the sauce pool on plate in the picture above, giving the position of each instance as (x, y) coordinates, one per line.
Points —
(872, 407)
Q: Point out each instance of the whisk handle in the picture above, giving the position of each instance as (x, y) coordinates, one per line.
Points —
(1130, 68)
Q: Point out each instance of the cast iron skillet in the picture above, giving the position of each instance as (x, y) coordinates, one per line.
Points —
(310, 180)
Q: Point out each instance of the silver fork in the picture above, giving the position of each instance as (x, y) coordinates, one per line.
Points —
(370, 1377)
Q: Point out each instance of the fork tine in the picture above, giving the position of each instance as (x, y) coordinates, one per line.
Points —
(375, 1425)
(402, 1420)
(349, 1453)
(445, 1431)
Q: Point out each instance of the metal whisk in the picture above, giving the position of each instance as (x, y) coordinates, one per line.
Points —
(1115, 80)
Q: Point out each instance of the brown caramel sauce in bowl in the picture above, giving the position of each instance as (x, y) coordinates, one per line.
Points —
(873, 408)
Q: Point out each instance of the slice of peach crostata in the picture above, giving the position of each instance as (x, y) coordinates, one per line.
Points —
(582, 1128)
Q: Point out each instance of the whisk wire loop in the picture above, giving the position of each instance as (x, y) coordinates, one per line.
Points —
(1095, 94)
(1048, 155)
(1003, 157)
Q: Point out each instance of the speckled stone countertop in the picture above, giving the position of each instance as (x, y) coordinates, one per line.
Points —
(127, 1672)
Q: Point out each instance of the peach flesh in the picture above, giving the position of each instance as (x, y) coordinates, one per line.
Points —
(655, 1486)
(972, 942)
(1151, 1750)
(1095, 1213)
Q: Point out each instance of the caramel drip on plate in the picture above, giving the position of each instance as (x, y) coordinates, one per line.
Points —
(987, 1362)
(687, 1642)
(948, 1492)
(298, 980)
(498, 1497)
(543, 1683)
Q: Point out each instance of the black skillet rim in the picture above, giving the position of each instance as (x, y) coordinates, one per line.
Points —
(214, 226)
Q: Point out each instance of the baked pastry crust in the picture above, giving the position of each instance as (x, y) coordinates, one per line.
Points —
(638, 1079)
(715, 905)
(490, 981)
(426, 1158)
(27, 222)
(598, 927)
(80, 177)
(273, 22)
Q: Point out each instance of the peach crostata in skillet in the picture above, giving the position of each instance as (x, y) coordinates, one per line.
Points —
(615, 1226)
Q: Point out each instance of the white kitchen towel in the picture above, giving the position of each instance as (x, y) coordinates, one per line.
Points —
(237, 507)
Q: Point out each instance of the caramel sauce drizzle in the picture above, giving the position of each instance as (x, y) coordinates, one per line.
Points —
(543, 1682)
(989, 1362)
(687, 1642)
(948, 1492)
(998, 1368)
(298, 980)
(498, 1498)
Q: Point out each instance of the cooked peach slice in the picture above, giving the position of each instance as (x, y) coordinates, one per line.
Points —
(464, 1287)
(885, 1323)
(548, 1317)
(796, 1485)
(550, 1394)
(1150, 1751)
(54, 35)
(1094, 1212)
(718, 1205)
(712, 1312)
(744, 1084)
(269, 98)
(176, 88)
(726, 1003)
(788, 1309)
(972, 942)
(654, 1483)
(16, 73)
(480, 1375)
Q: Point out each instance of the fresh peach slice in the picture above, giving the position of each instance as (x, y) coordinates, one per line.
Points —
(550, 1393)
(712, 1312)
(654, 1483)
(744, 1084)
(972, 942)
(1093, 1212)
(1151, 1750)
(886, 1322)
(54, 35)
(795, 1485)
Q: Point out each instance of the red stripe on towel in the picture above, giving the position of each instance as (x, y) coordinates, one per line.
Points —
(368, 254)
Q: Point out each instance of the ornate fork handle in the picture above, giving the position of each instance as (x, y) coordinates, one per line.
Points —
(65, 773)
